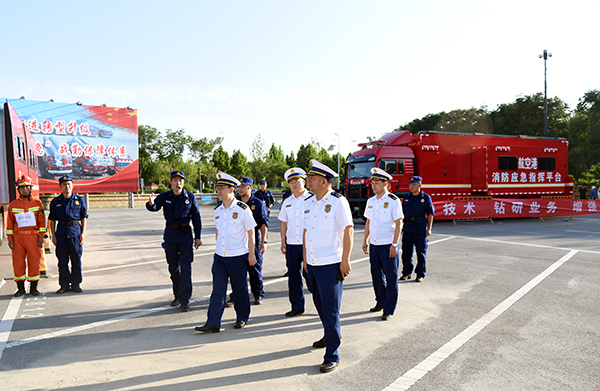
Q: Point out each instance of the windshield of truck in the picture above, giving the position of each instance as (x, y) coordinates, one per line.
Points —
(360, 170)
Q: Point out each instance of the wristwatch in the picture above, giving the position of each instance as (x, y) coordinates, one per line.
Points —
(395, 244)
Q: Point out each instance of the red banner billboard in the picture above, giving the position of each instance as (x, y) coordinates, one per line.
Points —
(513, 208)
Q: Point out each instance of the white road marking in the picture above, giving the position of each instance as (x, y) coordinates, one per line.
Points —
(424, 367)
(129, 316)
(583, 232)
(7, 321)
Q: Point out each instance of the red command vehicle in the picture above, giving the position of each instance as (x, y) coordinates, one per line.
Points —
(17, 157)
(458, 165)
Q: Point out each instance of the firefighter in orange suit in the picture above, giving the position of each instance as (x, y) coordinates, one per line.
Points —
(26, 227)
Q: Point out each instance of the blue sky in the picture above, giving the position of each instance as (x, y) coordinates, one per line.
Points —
(294, 70)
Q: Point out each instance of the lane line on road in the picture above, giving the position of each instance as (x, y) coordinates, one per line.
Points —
(424, 367)
(132, 315)
(583, 232)
(7, 321)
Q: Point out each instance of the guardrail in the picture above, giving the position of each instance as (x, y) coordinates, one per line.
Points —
(132, 200)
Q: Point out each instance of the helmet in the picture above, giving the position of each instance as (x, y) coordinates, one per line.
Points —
(24, 180)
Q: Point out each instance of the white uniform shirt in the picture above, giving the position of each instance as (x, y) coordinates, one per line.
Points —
(233, 224)
(292, 213)
(325, 222)
(382, 214)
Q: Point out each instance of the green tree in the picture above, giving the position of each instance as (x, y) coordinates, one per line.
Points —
(584, 134)
(290, 160)
(201, 150)
(429, 122)
(465, 121)
(276, 165)
(221, 160)
(173, 146)
(239, 164)
(525, 116)
(305, 153)
(149, 141)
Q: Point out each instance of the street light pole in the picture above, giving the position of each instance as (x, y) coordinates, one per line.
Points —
(545, 56)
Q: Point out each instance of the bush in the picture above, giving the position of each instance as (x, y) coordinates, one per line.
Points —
(207, 190)
(161, 188)
(189, 188)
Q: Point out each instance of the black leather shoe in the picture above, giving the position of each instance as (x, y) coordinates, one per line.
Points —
(185, 307)
(320, 344)
(328, 366)
(239, 324)
(419, 278)
(258, 300)
(386, 316)
(175, 302)
(294, 313)
(405, 277)
(62, 290)
(376, 309)
(76, 289)
(207, 328)
(229, 304)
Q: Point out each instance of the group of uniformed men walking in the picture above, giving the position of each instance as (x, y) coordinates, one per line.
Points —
(316, 239)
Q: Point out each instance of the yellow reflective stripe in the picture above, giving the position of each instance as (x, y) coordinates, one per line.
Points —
(34, 209)
(9, 232)
(22, 278)
(35, 278)
(43, 230)
(17, 210)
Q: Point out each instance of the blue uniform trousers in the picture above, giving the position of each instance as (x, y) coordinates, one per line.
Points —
(179, 258)
(412, 240)
(384, 272)
(255, 274)
(69, 248)
(294, 259)
(327, 296)
(236, 269)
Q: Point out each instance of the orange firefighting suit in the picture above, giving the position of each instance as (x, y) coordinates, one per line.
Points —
(26, 223)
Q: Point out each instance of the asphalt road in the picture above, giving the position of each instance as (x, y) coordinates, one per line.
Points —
(508, 306)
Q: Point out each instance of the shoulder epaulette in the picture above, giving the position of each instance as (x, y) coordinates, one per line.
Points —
(336, 194)
(311, 194)
(393, 196)
(218, 204)
(242, 205)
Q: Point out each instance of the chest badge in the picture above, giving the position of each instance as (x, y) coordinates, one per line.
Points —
(422, 201)
(76, 202)
(253, 207)
(385, 205)
(235, 215)
(187, 201)
(327, 208)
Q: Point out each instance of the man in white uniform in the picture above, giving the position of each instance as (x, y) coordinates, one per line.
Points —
(328, 235)
(382, 233)
(292, 231)
(235, 236)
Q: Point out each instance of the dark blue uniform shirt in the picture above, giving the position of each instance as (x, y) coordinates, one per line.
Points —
(266, 197)
(417, 206)
(68, 209)
(178, 210)
(259, 212)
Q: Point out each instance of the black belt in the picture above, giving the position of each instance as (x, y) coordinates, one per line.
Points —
(71, 222)
(415, 218)
(184, 228)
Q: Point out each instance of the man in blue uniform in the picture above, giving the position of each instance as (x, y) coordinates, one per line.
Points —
(418, 219)
(259, 212)
(70, 211)
(266, 196)
(179, 207)
(328, 234)
(233, 253)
